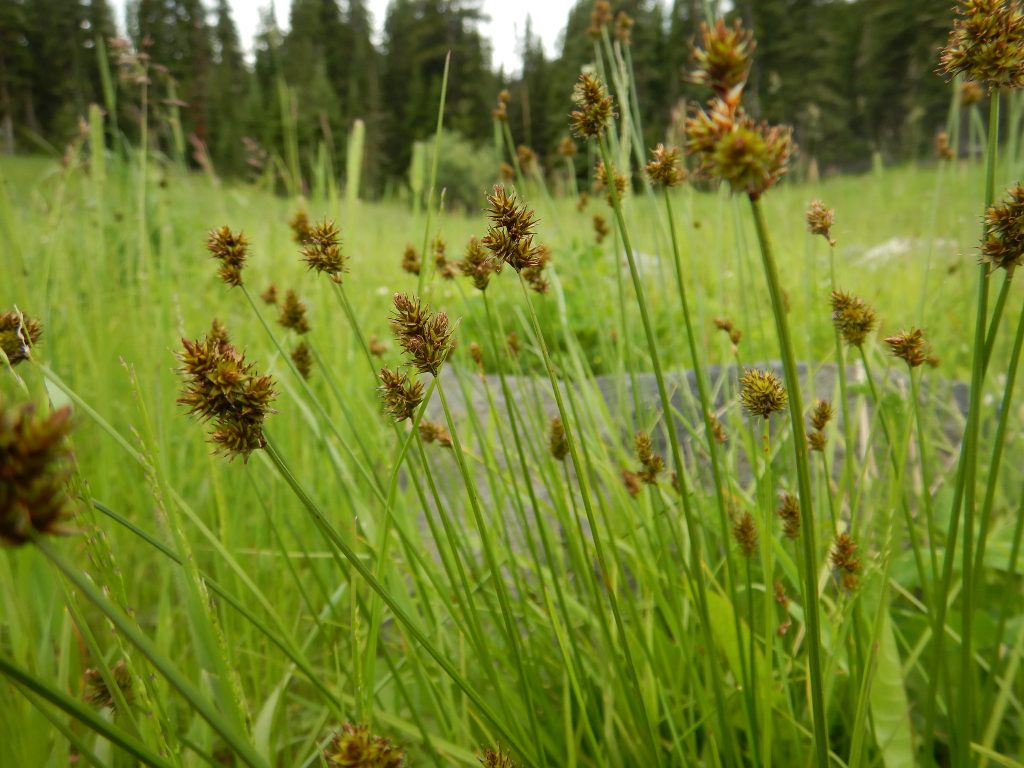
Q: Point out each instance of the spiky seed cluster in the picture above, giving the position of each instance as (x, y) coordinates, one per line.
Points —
(567, 147)
(789, 512)
(1003, 246)
(425, 336)
(725, 325)
(744, 530)
(631, 481)
(410, 260)
(510, 234)
(399, 394)
(35, 465)
(293, 314)
(845, 561)
(820, 220)
(269, 296)
(624, 27)
(852, 317)
(762, 393)
(355, 747)
(723, 58)
(652, 464)
(527, 159)
(98, 693)
(601, 230)
(558, 444)
(751, 157)
(820, 417)
(435, 433)
(231, 250)
(943, 149)
(600, 18)
(534, 276)
(602, 182)
(446, 269)
(595, 108)
(18, 334)
(909, 346)
(478, 265)
(302, 357)
(221, 387)
(300, 227)
(321, 250)
(986, 43)
(497, 758)
(664, 167)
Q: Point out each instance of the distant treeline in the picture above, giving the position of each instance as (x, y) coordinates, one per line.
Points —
(852, 77)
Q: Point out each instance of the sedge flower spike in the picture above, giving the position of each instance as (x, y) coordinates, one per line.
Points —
(762, 393)
(594, 108)
(425, 336)
(18, 334)
(1003, 247)
(723, 58)
(231, 249)
(355, 747)
(321, 250)
(986, 44)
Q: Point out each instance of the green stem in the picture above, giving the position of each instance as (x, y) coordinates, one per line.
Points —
(809, 539)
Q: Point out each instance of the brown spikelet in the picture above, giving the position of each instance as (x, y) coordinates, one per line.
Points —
(377, 347)
(852, 317)
(582, 201)
(497, 758)
(789, 512)
(664, 168)
(567, 147)
(269, 296)
(510, 234)
(594, 107)
(98, 693)
(425, 336)
(478, 265)
(943, 149)
(19, 333)
(231, 250)
(293, 314)
(430, 432)
(820, 220)
(299, 224)
(603, 182)
(631, 480)
(1003, 247)
(558, 445)
(601, 230)
(822, 414)
(355, 747)
(399, 395)
(600, 17)
(723, 57)
(302, 357)
(321, 250)
(909, 346)
(477, 355)
(717, 430)
(845, 561)
(986, 43)
(512, 342)
(410, 260)
(744, 530)
(652, 464)
(762, 393)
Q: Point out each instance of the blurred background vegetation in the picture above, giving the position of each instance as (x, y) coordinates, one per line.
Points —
(855, 78)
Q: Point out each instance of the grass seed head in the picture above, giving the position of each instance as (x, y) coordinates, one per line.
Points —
(399, 394)
(321, 250)
(820, 220)
(789, 512)
(496, 758)
(19, 333)
(602, 182)
(35, 467)
(744, 530)
(909, 346)
(410, 260)
(558, 444)
(478, 265)
(600, 17)
(986, 44)
(293, 314)
(595, 107)
(852, 317)
(99, 694)
(762, 393)
(231, 249)
(299, 224)
(723, 58)
(510, 234)
(431, 432)
(822, 414)
(269, 296)
(845, 561)
(1003, 247)
(355, 747)
(302, 357)
(664, 167)
(425, 336)
(624, 27)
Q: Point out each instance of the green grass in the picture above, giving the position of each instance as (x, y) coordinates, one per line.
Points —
(266, 624)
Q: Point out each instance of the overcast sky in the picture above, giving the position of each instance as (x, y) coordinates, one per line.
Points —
(504, 29)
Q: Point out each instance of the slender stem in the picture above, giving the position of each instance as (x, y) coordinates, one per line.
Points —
(435, 160)
(809, 538)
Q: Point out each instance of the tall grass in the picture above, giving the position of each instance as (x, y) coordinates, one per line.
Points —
(556, 595)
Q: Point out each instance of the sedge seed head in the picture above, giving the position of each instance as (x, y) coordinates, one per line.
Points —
(497, 758)
(293, 314)
(631, 481)
(909, 346)
(510, 234)
(321, 250)
(19, 333)
(943, 149)
(986, 43)
(558, 444)
(231, 249)
(425, 336)
(302, 358)
(603, 182)
(723, 58)
(744, 530)
(98, 693)
(567, 147)
(820, 220)
(478, 265)
(299, 225)
(762, 393)
(845, 561)
(269, 296)
(624, 27)
(1003, 247)
(410, 260)
(601, 230)
(600, 17)
(594, 107)
(789, 512)
(377, 347)
(822, 414)
(355, 747)
(431, 432)
(35, 467)
(400, 395)
(852, 317)
(664, 167)
(651, 463)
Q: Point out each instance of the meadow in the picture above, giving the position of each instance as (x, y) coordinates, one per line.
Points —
(490, 588)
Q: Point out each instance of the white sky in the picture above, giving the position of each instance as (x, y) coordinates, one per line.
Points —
(504, 29)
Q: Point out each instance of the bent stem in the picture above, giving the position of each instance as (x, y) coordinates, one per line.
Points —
(803, 469)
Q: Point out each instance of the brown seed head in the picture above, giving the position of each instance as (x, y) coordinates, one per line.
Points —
(19, 333)
(411, 260)
(478, 264)
(594, 108)
(527, 159)
(321, 250)
(426, 337)
(717, 430)
(558, 445)
(497, 759)
(601, 230)
(445, 269)
(600, 18)
(852, 317)
(355, 747)
(567, 147)
(820, 220)
(300, 227)
(35, 466)
(909, 346)
(762, 393)
(477, 355)
(269, 296)
(816, 440)
(845, 561)
(98, 693)
(431, 432)
(219, 386)
(653, 464)
(377, 347)
(231, 250)
(601, 182)
(723, 58)
(664, 168)
(943, 150)
(624, 28)
(744, 530)
(822, 414)
(534, 276)
(631, 480)
(399, 394)
(507, 172)
(1003, 247)
(512, 342)
(500, 111)
(293, 314)
(302, 358)
(510, 234)
(986, 43)
(789, 511)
